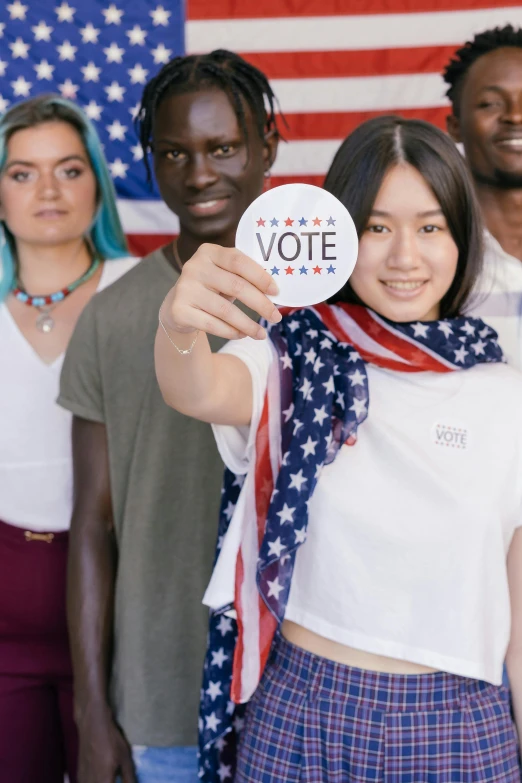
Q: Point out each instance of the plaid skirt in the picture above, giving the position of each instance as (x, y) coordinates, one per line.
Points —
(312, 720)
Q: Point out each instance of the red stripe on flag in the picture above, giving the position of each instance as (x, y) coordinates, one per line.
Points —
(237, 666)
(259, 9)
(372, 62)
(337, 125)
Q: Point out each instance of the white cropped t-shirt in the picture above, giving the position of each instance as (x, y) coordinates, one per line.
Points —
(408, 529)
(36, 487)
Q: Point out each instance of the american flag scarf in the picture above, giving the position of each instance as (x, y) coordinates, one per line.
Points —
(317, 396)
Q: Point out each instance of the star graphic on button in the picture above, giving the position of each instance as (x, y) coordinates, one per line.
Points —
(289, 222)
(303, 222)
(261, 222)
(274, 270)
(289, 270)
(274, 222)
(331, 270)
(303, 270)
(317, 270)
(317, 221)
(330, 221)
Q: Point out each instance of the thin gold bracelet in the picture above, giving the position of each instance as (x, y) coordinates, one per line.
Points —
(182, 351)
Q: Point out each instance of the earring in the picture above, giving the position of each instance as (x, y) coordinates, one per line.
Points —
(268, 180)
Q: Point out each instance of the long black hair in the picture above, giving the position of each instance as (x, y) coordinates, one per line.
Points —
(223, 69)
(363, 160)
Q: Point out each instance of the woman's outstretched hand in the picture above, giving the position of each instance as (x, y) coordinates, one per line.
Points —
(204, 296)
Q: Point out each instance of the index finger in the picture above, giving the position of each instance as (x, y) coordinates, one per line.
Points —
(238, 263)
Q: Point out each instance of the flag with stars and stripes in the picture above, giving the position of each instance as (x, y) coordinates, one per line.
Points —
(317, 397)
(332, 64)
(99, 54)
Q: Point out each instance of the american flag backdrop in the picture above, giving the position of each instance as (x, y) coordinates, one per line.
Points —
(332, 63)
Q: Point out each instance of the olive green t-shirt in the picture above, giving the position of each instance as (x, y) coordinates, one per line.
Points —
(165, 476)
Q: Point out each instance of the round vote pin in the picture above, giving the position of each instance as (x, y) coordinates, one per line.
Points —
(305, 238)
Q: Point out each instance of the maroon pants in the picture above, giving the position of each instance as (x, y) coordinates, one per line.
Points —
(38, 739)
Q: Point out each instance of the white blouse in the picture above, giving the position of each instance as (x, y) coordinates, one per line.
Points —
(408, 529)
(35, 433)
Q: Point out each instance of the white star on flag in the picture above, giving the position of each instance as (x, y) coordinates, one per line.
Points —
(297, 426)
(114, 53)
(161, 55)
(91, 72)
(445, 328)
(275, 547)
(2, 28)
(134, 111)
(320, 415)
(93, 110)
(289, 412)
(21, 87)
(115, 92)
(230, 711)
(357, 378)
(219, 658)
(359, 406)
(229, 510)
(312, 333)
(3, 104)
(44, 70)
(478, 347)
(354, 356)
(118, 168)
(300, 536)
(137, 152)
(19, 49)
(89, 33)
(286, 514)
(112, 15)
(460, 355)
(214, 690)
(297, 480)
(65, 13)
(469, 329)
(136, 36)
(307, 389)
(138, 74)
(274, 588)
(160, 16)
(67, 51)
(17, 10)
(326, 343)
(330, 385)
(309, 446)
(286, 360)
(212, 721)
(310, 356)
(420, 330)
(293, 325)
(225, 625)
(68, 90)
(3, 67)
(116, 131)
(224, 772)
(42, 32)
(484, 332)
(340, 399)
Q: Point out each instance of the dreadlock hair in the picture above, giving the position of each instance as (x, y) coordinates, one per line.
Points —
(220, 68)
(481, 44)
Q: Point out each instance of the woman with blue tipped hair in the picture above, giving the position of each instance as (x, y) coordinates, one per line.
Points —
(59, 227)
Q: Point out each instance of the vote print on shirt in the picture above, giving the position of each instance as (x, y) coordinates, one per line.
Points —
(305, 238)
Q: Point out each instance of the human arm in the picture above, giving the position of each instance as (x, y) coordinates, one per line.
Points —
(212, 387)
(104, 751)
(514, 652)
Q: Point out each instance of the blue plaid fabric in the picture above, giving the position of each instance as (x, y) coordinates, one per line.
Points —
(316, 721)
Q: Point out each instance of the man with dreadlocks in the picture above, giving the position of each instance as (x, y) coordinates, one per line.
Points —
(485, 89)
(147, 479)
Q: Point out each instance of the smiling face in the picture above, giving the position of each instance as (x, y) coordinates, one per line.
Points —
(47, 186)
(490, 118)
(205, 171)
(407, 257)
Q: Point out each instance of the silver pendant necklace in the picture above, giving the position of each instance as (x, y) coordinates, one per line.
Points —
(45, 322)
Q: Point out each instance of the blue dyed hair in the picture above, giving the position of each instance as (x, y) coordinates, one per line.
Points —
(106, 232)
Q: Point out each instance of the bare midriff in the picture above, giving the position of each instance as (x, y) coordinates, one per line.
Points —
(335, 651)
